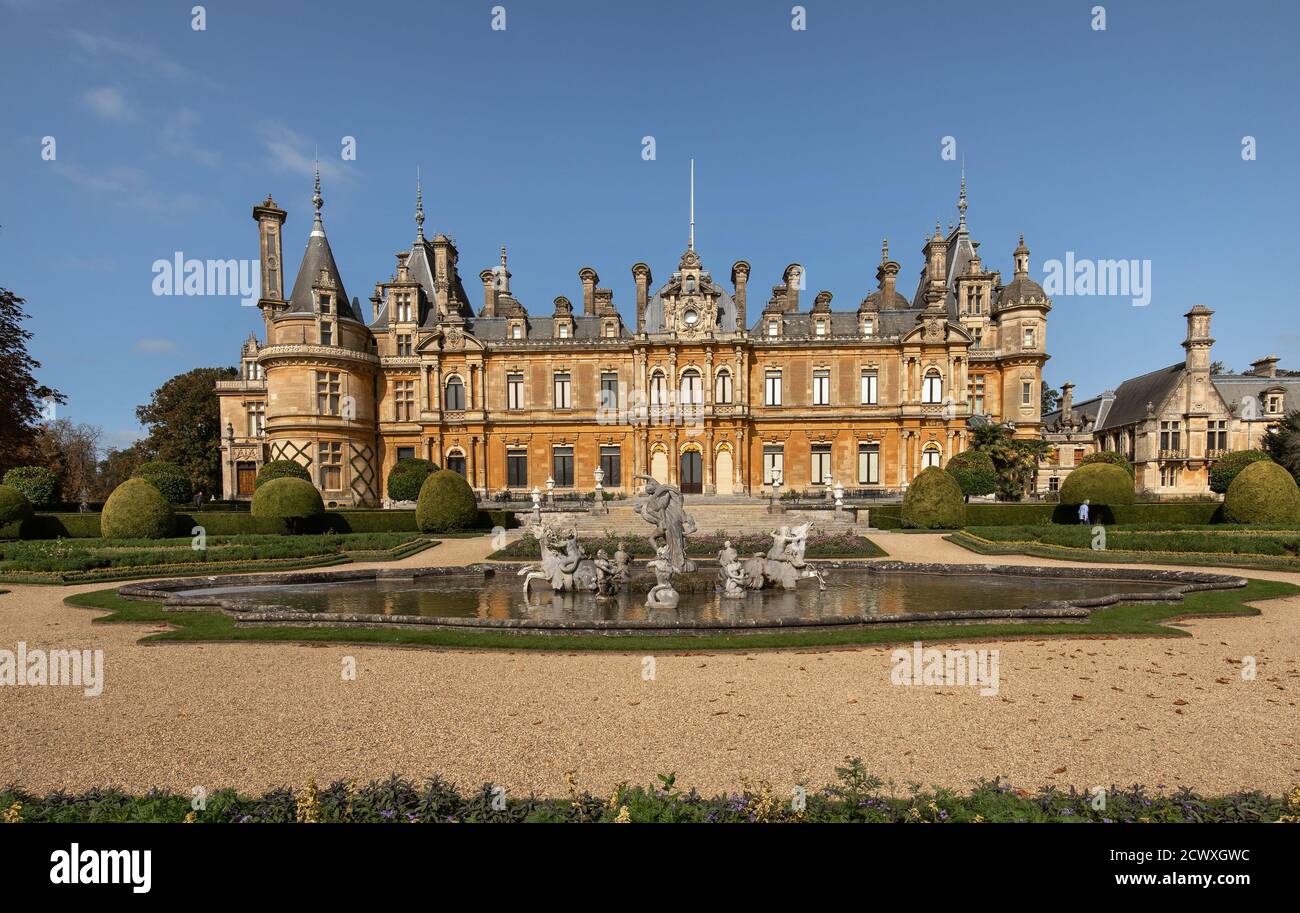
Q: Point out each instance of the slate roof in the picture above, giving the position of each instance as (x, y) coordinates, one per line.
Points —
(843, 323)
(315, 258)
(1234, 388)
(1132, 396)
(497, 329)
(654, 312)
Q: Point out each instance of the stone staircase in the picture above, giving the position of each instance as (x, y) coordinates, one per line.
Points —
(712, 514)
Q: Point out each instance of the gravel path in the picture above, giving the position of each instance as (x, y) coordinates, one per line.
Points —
(1069, 711)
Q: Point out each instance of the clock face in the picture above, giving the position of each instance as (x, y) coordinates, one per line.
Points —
(691, 317)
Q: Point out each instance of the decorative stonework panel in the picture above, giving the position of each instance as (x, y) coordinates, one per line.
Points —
(364, 487)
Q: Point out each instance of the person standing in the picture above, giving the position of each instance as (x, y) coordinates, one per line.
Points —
(1083, 512)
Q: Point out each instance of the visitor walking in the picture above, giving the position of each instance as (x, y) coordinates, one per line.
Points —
(1083, 512)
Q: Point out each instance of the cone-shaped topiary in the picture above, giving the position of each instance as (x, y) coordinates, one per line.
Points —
(1100, 484)
(14, 508)
(1229, 466)
(934, 501)
(168, 478)
(1263, 492)
(446, 503)
(281, 469)
(136, 510)
(974, 472)
(292, 500)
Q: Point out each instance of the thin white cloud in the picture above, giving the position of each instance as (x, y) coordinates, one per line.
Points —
(131, 186)
(155, 346)
(291, 151)
(109, 103)
(106, 49)
(178, 139)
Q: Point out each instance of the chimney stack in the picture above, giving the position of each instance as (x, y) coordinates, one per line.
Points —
(739, 280)
(641, 273)
(1067, 403)
(589, 280)
(1265, 367)
(793, 276)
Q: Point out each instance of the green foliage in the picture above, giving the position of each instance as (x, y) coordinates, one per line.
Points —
(1221, 540)
(446, 503)
(184, 421)
(1263, 492)
(1282, 443)
(136, 510)
(933, 501)
(1227, 467)
(291, 500)
(14, 507)
(281, 469)
(23, 401)
(974, 472)
(168, 478)
(40, 486)
(1112, 458)
(1016, 460)
(407, 477)
(1100, 484)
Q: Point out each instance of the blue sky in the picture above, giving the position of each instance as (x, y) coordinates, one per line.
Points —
(810, 147)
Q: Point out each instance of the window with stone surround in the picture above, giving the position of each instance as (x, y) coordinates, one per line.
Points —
(330, 466)
(821, 391)
(454, 394)
(722, 387)
(514, 391)
(932, 387)
(563, 391)
(772, 388)
(870, 387)
(404, 400)
(328, 391)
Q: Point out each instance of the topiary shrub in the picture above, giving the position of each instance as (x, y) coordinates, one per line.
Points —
(1263, 492)
(446, 503)
(40, 486)
(1227, 467)
(407, 476)
(1111, 458)
(934, 501)
(974, 472)
(136, 510)
(168, 478)
(14, 508)
(291, 500)
(1100, 484)
(281, 469)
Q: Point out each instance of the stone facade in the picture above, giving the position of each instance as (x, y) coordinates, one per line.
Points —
(701, 392)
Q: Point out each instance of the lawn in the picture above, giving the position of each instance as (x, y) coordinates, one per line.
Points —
(84, 560)
(1123, 619)
(1219, 546)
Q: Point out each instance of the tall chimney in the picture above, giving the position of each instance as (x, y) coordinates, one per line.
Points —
(641, 273)
(489, 278)
(792, 276)
(1067, 403)
(589, 280)
(1265, 367)
(739, 281)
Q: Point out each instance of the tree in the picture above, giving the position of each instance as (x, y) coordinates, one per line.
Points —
(71, 452)
(22, 400)
(184, 422)
(1016, 460)
(1282, 443)
(1217, 367)
(1050, 400)
(974, 472)
(116, 467)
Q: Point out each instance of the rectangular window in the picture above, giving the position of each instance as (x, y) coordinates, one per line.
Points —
(611, 461)
(563, 393)
(1030, 338)
(772, 389)
(562, 470)
(563, 331)
(869, 388)
(256, 419)
(404, 344)
(331, 466)
(405, 453)
(773, 463)
(868, 327)
(328, 391)
(1027, 393)
(975, 394)
(514, 391)
(403, 308)
(820, 328)
(821, 388)
(326, 304)
(404, 400)
(1054, 484)
(608, 391)
(1217, 436)
(868, 464)
(773, 328)
(517, 468)
(1171, 436)
(326, 333)
(821, 463)
(517, 331)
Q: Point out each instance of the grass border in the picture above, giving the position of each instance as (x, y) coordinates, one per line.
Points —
(1142, 619)
(1034, 549)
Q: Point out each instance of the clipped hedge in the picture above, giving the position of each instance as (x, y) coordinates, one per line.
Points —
(1101, 485)
(446, 503)
(934, 501)
(281, 469)
(40, 486)
(1263, 492)
(14, 509)
(1110, 458)
(974, 472)
(1228, 466)
(136, 510)
(168, 478)
(293, 501)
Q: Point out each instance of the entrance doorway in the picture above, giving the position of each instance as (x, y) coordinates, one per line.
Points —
(246, 479)
(692, 473)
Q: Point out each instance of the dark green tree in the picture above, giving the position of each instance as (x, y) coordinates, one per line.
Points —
(23, 400)
(1282, 443)
(184, 423)
(1016, 460)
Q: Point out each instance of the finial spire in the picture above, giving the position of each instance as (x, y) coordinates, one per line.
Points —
(884, 250)
(690, 243)
(317, 200)
(961, 199)
(419, 206)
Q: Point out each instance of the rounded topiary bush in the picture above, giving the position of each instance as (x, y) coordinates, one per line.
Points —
(1229, 466)
(974, 472)
(934, 501)
(446, 503)
(407, 476)
(1100, 484)
(168, 478)
(14, 508)
(136, 510)
(1263, 492)
(40, 486)
(281, 469)
(292, 500)
(1111, 458)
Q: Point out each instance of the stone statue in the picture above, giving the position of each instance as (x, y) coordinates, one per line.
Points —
(606, 574)
(725, 557)
(622, 567)
(661, 505)
(563, 564)
(733, 578)
(784, 565)
(662, 595)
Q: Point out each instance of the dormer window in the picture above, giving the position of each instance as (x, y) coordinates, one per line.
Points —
(1031, 338)
(403, 308)
(516, 331)
(562, 331)
(610, 329)
(326, 333)
(690, 285)
(326, 304)
(773, 328)
(819, 327)
(1274, 403)
(868, 327)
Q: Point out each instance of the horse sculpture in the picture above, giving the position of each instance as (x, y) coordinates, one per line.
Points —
(564, 565)
(784, 564)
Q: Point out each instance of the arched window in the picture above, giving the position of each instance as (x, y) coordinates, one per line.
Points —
(692, 388)
(932, 392)
(722, 387)
(658, 389)
(455, 393)
(931, 455)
